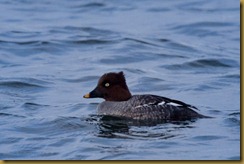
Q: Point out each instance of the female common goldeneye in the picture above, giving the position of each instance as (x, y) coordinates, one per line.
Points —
(120, 103)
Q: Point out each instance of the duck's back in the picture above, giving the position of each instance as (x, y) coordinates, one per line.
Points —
(149, 108)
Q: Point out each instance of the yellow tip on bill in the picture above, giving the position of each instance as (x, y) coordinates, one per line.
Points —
(87, 95)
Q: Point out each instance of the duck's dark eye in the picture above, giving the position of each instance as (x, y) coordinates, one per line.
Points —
(106, 84)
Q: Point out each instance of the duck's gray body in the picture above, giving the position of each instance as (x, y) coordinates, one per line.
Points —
(148, 108)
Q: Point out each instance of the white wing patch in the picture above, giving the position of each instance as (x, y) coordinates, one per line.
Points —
(144, 105)
(169, 103)
(174, 104)
(161, 103)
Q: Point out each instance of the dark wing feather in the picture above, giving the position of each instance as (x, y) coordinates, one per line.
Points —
(154, 100)
(157, 107)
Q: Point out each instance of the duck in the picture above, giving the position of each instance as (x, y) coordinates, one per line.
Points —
(120, 103)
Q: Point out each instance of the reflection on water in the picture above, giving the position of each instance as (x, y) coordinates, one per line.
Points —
(113, 127)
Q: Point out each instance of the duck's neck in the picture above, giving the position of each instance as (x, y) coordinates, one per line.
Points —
(120, 95)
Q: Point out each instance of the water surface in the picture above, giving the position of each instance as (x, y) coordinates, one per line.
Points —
(53, 52)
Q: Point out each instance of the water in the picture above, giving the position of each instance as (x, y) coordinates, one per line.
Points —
(53, 52)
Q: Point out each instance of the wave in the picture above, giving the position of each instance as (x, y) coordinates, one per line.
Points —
(203, 63)
(19, 84)
(23, 86)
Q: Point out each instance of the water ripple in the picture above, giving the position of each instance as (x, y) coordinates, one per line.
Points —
(207, 137)
(91, 41)
(33, 106)
(201, 29)
(121, 59)
(19, 84)
(92, 5)
(23, 83)
(10, 115)
(203, 64)
(82, 79)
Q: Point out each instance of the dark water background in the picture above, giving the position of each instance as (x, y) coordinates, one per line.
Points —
(53, 52)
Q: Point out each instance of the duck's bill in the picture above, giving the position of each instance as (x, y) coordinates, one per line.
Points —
(93, 94)
(87, 95)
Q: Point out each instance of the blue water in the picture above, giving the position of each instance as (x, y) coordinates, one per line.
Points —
(53, 52)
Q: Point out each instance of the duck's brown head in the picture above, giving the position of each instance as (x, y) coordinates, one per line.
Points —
(112, 87)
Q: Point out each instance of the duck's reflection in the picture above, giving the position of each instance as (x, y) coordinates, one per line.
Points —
(115, 127)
